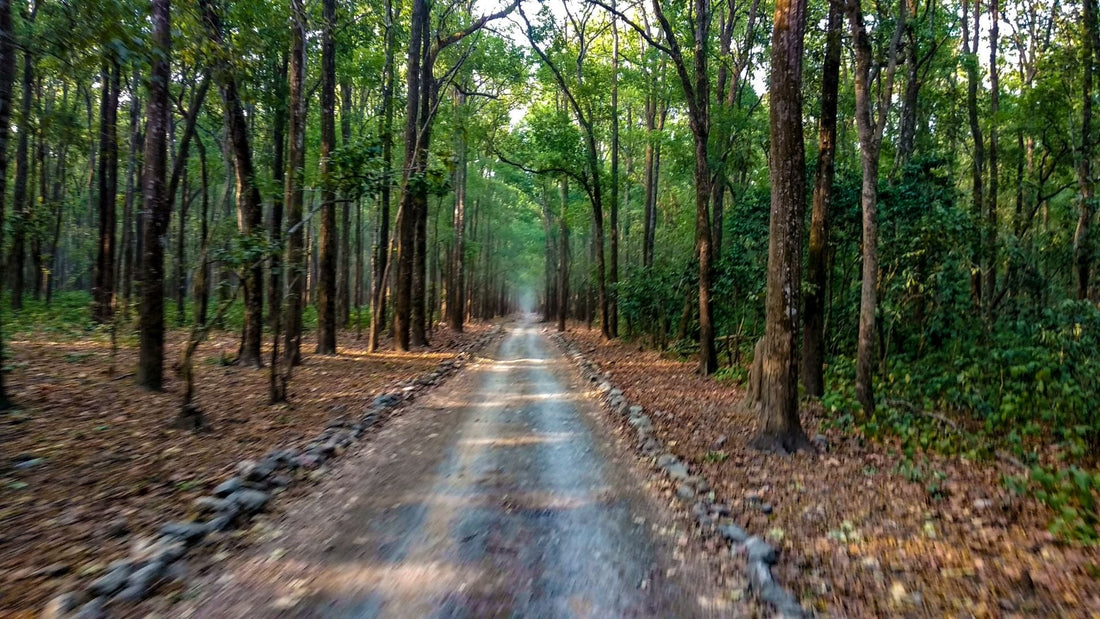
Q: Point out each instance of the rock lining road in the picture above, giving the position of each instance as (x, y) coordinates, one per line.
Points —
(500, 494)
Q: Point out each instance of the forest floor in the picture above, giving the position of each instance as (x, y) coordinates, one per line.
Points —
(865, 531)
(87, 458)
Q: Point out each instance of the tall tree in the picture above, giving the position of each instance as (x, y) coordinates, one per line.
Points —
(156, 203)
(781, 429)
(382, 247)
(103, 288)
(813, 333)
(870, 124)
(249, 202)
(7, 79)
(456, 290)
(20, 198)
(296, 155)
(326, 297)
(1082, 247)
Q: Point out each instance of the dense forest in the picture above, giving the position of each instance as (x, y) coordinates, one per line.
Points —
(889, 208)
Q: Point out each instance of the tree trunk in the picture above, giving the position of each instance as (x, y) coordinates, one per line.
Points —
(382, 249)
(133, 176)
(781, 429)
(343, 271)
(456, 298)
(563, 257)
(1082, 246)
(326, 297)
(296, 153)
(155, 204)
(989, 268)
(20, 199)
(103, 288)
(278, 202)
(870, 128)
(650, 207)
(249, 203)
(7, 79)
(407, 215)
(978, 165)
(613, 274)
(813, 336)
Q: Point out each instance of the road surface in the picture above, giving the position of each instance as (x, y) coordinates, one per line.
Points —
(501, 493)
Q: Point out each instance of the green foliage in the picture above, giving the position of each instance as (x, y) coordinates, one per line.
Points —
(1071, 494)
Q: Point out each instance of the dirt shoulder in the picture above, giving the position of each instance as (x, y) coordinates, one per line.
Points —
(87, 460)
(864, 530)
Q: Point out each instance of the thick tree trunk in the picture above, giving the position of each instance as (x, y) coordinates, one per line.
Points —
(813, 335)
(296, 154)
(155, 204)
(326, 297)
(407, 211)
(781, 429)
(249, 203)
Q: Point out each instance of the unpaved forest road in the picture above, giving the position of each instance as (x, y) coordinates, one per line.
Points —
(500, 494)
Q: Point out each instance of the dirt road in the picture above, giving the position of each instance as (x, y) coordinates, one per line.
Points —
(500, 494)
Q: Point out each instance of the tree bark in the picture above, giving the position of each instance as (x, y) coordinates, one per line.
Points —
(21, 201)
(781, 429)
(7, 79)
(456, 290)
(278, 202)
(249, 202)
(155, 204)
(382, 248)
(1082, 246)
(870, 128)
(343, 270)
(813, 335)
(296, 154)
(326, 297)
(103, 288)
(613, 274)
(563, 257)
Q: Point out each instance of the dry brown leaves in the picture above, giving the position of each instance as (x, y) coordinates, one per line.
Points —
(110, 460)
(860, 536)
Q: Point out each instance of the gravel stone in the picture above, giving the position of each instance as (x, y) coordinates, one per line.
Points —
(61, 605)
(187, 532)
(227, 487)
(685, 492)
(112, 581)
(206, 504)
(666, 460)
(759, 550)
(677, 471)
(250, 500)
(733, 533)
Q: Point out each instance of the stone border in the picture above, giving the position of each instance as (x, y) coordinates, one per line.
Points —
(712, 517)
(156, 559)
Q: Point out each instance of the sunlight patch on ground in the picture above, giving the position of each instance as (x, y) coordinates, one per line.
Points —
(519, 441)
